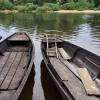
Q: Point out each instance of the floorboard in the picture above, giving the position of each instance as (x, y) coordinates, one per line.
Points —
(7, 67)
(12, 71)
(20, 72)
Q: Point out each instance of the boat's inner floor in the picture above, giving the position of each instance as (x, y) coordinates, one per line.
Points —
(13, 65)
(68, 74)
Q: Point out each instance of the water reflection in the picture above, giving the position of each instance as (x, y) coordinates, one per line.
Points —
(28, 89)
(50, 92)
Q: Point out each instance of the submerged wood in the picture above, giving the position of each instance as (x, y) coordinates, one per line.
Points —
(65, 73)
(16, 63)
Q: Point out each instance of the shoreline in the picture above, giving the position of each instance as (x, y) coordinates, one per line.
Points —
(59, 11)
(77, 11)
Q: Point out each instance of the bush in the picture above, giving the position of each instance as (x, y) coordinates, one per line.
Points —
(98, 8)
(52, 6)
(20, 8)
(31, 6)
(82, 6)
(41, 9)
(68, 6)
(5, 4)
(26, 7)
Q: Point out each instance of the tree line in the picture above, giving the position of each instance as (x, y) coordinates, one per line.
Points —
(47, 5)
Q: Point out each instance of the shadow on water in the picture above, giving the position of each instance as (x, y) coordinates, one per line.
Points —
(49, 89)
(28, 89)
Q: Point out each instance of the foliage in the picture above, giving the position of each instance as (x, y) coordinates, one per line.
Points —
(31, 6)
(52, 6)
(68, 6)
(41, 10)
(81, 5)
(5, 4)
(98, 8)
(26, 7)
(47, 5)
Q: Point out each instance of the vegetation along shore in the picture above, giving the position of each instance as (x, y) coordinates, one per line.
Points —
(60, 6)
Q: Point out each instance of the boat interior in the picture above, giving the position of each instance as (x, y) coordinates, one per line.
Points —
(15, 54)
(76, 68)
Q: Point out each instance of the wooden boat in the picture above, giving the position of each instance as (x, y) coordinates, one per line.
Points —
(16, 61)
(74, 70)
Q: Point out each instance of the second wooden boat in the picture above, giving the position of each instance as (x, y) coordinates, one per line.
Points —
(74, 70)
(16, 61)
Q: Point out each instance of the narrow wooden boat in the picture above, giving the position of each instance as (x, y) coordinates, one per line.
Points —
(74, 70)
(16, 61)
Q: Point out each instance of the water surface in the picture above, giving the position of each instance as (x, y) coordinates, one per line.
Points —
(80, 29)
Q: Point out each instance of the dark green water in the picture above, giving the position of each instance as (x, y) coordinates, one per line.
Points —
(80, 29)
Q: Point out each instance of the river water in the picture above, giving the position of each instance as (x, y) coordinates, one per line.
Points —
(80, 29)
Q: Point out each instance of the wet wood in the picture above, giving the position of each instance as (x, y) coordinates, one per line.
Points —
(20, 72)
(12, 71)
(64, 53)
(89, 85)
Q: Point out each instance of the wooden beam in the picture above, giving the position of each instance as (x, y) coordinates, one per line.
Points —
(88, 83)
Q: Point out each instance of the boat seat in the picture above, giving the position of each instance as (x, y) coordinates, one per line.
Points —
(17, 49)
(64, 54)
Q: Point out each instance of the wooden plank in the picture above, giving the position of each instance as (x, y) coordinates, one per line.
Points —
(19, 37)
(64, 53)
(12, 71)
(3, 60)
(88, 83)
(51, 52)
(71, 82)
(17, 49)
(7, 67)
(20, 72)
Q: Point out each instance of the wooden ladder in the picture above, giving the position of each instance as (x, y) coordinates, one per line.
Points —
(52, 52)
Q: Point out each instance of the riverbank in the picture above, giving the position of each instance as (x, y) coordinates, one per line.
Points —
(77, 11)
(59, 11)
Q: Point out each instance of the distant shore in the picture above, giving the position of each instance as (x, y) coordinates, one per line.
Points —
(59, 11)
(77, 11)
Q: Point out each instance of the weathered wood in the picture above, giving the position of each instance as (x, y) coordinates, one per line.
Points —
(64, 53)
(20, 72)
(12, 71)
(17, 37)
(3, 60)
(70, 81)
(7, 67)
(12, 63)
(51, 52)
(88, 83)
(18, 49)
